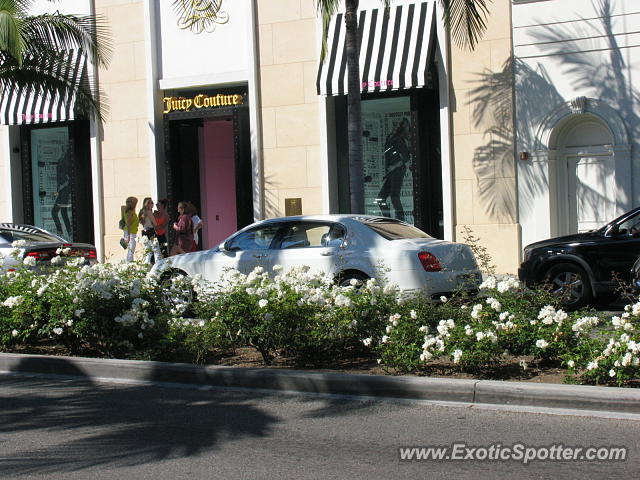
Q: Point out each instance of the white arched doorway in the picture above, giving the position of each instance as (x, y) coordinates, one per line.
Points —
(586, 187)
(585, 148)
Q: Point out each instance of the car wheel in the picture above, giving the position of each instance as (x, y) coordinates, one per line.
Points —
(571, 283)
(345, 279)
(176, 295)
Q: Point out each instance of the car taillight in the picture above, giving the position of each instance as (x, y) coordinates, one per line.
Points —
(41, 255)
(90, 254)
(429, 262)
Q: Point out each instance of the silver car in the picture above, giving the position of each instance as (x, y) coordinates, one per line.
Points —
(26, 245)
(346, 247)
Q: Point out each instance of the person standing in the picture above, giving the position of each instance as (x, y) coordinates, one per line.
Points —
(162, 221)
(184, 230)
(148, 222)
(197, 226)
(130, 221)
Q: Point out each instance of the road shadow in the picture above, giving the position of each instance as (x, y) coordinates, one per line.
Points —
(100, 425)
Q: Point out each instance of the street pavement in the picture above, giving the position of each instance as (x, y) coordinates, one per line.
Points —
(56, 428)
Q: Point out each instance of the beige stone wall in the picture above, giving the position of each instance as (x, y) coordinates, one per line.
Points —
(125, 156)
(483, 152)
(289, 104)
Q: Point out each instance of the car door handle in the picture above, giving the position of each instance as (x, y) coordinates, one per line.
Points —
(327, 253)
(259, 255)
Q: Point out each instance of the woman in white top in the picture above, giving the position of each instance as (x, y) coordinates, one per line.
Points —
(148, 223)
(197, 225)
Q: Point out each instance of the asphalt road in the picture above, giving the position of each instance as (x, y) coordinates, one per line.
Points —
(68, 429)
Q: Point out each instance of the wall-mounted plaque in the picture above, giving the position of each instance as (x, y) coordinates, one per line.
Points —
(292, 206)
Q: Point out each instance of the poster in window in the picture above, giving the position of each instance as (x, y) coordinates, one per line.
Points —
(388, 182)
(51, 169)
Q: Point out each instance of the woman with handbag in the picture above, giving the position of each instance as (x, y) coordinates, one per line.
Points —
(184, 230)
(130, 223)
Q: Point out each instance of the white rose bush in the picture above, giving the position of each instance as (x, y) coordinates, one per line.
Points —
(117, 310)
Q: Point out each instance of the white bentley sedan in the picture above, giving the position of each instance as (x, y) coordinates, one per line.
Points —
(344, 246)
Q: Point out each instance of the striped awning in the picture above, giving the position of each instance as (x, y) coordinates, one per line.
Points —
(394, 52)
(23, 106)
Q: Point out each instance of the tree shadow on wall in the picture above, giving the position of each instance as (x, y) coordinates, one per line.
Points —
(492, 101)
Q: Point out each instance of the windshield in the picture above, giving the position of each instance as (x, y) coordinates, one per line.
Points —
(395, 230)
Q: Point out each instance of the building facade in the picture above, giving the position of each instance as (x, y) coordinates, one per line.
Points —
(239, 116)
(577, 113)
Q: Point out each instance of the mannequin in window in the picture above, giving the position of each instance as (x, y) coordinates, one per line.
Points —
(396, 160)
(62, 198)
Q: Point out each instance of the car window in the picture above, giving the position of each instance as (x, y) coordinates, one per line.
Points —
(394, 230)
(631, 226)
(258, 238)
(311, 234)
(11, 236)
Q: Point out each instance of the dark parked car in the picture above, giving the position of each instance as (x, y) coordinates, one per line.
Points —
(586, 267)
(35, 247)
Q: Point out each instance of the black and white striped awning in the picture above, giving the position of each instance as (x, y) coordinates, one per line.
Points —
(23, 106)
(395, 49)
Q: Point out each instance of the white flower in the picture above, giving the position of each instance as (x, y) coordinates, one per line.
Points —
(510, 283)
(57, 260)
(493, 303)
(78, 313)
(140, 335)
(523, 364)
(385, 339)
(69, 323)
(57, 331)
(19, 243)
(456, 356)
(475, 312)
(571, 364)
(413, 314)
(13, 301)
(14, 333)
(29, 261)
(263, 302)
(443, 299)
(488, 284)
(425, 356)
(592, 365)
(423, 329)
(367, 341)
(612, 373)
(277, 268)
(542, 344)
(342, 301)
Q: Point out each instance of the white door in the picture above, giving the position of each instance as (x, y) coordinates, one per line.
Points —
(591, 191)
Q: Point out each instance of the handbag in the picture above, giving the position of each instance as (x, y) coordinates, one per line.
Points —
(121, 224)
(123, 243)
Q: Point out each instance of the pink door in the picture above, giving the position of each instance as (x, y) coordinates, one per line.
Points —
(217, 181)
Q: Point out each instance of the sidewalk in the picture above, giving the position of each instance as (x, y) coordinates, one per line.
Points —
(574, 397)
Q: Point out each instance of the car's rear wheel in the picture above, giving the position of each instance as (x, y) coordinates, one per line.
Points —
(571, 283)
(173, 293)
(345, 279)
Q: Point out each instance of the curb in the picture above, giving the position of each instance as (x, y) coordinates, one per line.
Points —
(575, 397)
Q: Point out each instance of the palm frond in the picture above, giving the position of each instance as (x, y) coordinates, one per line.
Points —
(465, 20)
(60, 32)
(326, 9)
(11, 36)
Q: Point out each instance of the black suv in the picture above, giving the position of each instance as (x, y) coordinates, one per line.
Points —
(585, 267)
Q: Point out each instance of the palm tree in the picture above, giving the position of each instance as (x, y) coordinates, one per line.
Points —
(36, 49)
(464, 19)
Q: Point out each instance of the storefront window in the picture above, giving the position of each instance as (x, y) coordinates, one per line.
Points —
(51, 169)
(388, 159)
